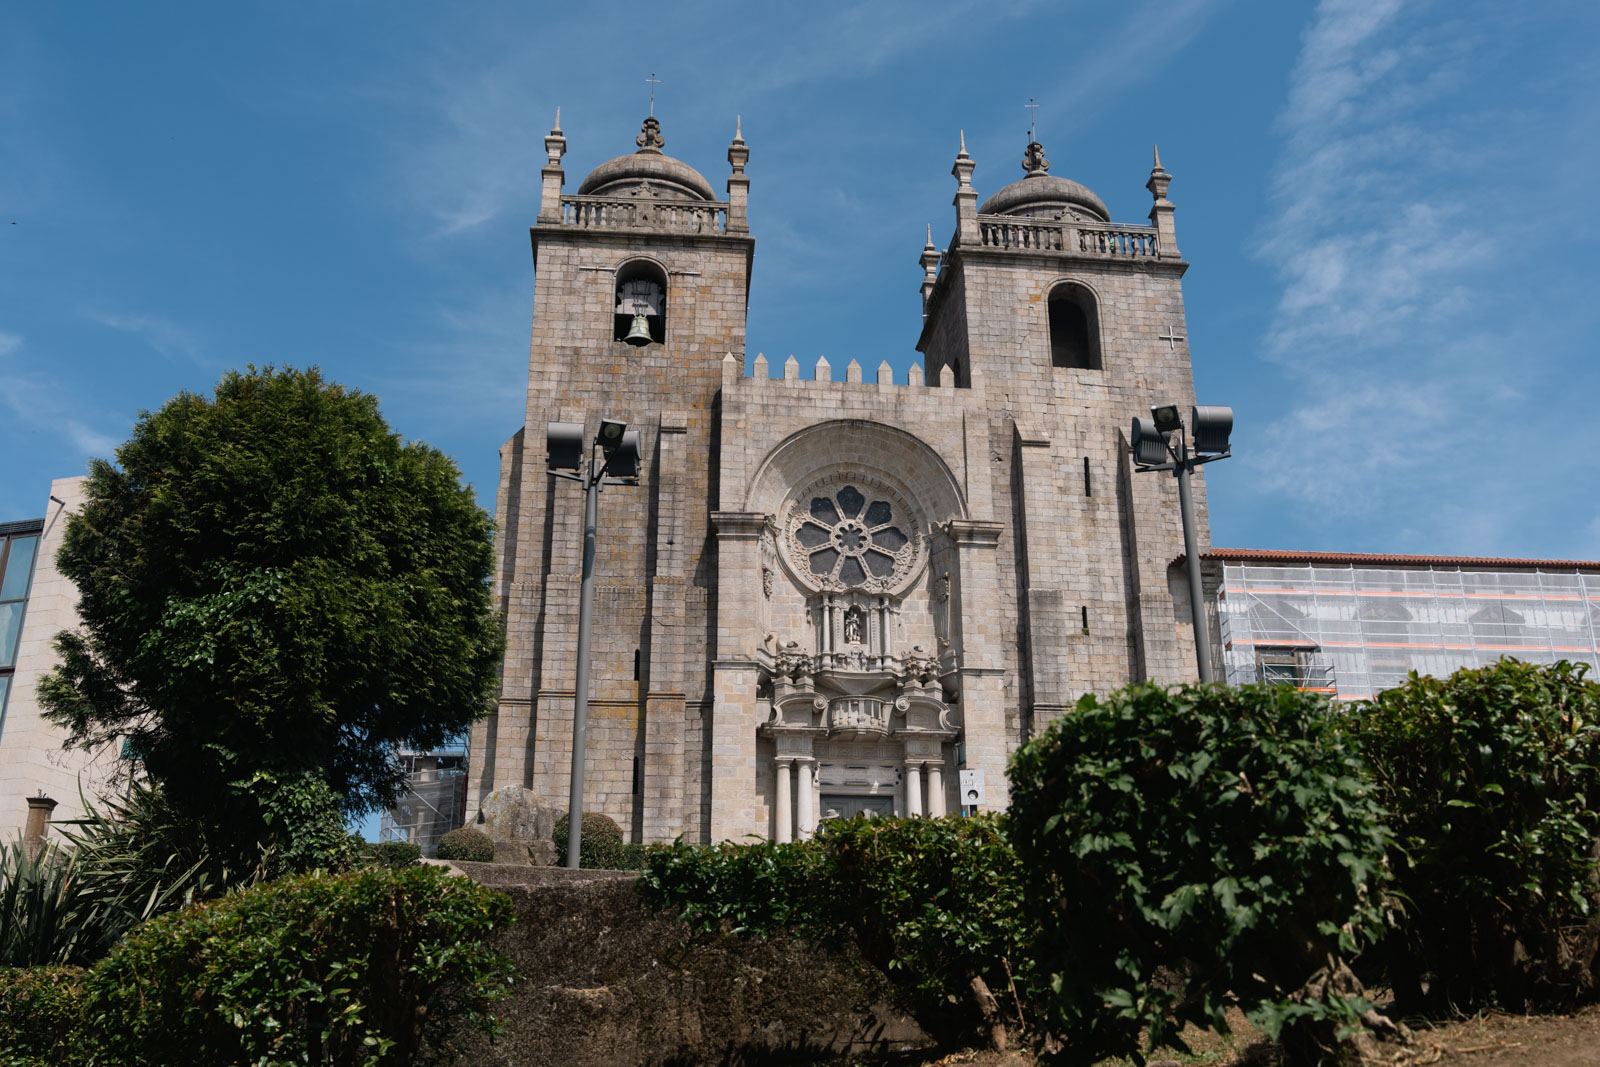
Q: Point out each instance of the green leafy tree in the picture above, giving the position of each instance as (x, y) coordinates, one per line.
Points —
(276, 592)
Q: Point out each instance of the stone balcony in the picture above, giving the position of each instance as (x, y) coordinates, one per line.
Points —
(1023, 234)
(645, 213)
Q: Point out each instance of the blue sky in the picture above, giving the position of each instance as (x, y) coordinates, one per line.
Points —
(1387, 206)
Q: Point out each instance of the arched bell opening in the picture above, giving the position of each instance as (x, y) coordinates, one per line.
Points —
(1074, 328)
(640, 317)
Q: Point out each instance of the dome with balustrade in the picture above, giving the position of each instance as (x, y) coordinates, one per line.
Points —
(1038, 195)
(647, 172)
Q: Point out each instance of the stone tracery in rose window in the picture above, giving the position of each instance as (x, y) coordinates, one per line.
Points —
(852, 535)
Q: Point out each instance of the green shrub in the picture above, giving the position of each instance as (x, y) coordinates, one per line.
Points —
(39, 1016)
(393, 854)
(601, 846)
(1492, 778)
(376, 966)
(632, 857)
(41, 920)
(1181, 845)
(934, 903)
(465, 843)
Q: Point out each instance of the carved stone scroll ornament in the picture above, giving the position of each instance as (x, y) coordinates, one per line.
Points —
(650, 138)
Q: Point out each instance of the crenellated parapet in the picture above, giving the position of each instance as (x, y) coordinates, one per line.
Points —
(822, 374)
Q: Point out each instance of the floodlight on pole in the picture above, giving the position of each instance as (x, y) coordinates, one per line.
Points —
(618, 464)
(1158, 444)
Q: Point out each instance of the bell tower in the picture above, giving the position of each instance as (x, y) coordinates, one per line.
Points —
(1070, 324)
(641, 284)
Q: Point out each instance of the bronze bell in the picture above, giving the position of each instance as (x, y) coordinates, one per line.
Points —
(639, 332)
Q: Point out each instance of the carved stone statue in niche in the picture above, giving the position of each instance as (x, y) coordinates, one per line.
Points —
(852, 626)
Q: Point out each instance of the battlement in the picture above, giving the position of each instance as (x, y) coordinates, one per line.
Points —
(822, 374)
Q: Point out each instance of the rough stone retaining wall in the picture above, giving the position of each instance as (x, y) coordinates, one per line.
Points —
(604, 981)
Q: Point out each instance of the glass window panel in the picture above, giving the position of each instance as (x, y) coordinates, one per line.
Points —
(879, 513)
(850, 500)
(811, 535)
(822, 508)
(823, 562)
(10, 624)
(851, 573)
(18, 566)
(880, 565)
(890, 539)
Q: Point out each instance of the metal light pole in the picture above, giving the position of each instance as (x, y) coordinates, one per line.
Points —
(619, 448)
(1158, 445)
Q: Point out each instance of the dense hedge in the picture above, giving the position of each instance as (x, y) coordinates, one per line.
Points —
(465, 843)
(1492, 781)
(934, 903)
(1181, 846)
(377, 966)
(39, 1016)
(601, 848)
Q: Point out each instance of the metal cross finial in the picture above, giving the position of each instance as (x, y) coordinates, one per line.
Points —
(1033, 110)
(654, 81)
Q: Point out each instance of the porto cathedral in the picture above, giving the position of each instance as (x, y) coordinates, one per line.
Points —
(833, 591)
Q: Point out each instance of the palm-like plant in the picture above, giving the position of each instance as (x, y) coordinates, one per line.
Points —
(38, 896)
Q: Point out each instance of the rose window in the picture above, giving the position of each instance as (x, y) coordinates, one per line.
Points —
(847, 539)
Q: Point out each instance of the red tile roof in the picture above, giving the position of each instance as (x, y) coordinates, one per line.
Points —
(1384, 559)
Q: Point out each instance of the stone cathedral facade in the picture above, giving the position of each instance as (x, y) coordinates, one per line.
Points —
(832, 593)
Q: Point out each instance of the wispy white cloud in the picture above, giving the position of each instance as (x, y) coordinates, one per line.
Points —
(1414, 320)
(37, 403)
(1152, 32)
(165, 336)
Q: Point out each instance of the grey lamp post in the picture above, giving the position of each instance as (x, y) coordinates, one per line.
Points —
(617, 464)
(1159, 445)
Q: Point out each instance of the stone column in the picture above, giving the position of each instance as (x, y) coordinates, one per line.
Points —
(966, 200)
(39, 809)
(980, 637)
(1161, 210)
(808, 807)
(784, 822)
(913, 789)
(738, 183)
(736, 809)
(935, 790)
(552, 177)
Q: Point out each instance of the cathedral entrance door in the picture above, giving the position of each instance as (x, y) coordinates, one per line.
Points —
(841, 806)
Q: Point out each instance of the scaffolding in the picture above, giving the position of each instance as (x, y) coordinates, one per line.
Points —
(1352, 631)
(434, 801)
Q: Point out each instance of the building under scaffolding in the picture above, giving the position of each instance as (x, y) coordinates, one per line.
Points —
(1352, 625)
(434, 801)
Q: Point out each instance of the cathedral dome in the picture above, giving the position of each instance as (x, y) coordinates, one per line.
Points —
(1040, 194)
(649, 171)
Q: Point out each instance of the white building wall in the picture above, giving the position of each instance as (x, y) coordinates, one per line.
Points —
(32, 760)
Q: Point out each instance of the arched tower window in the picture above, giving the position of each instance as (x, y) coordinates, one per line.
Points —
(641, 291)
(1074, 328)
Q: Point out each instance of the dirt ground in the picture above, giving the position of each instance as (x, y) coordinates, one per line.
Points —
(1480, 1041)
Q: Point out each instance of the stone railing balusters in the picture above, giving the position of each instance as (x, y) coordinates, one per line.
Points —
(622, 212)
(1050, 235)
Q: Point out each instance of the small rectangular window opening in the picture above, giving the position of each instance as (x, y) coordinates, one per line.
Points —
(638, 777)
(1088, 486)
(1085, 610)
(636, 664)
